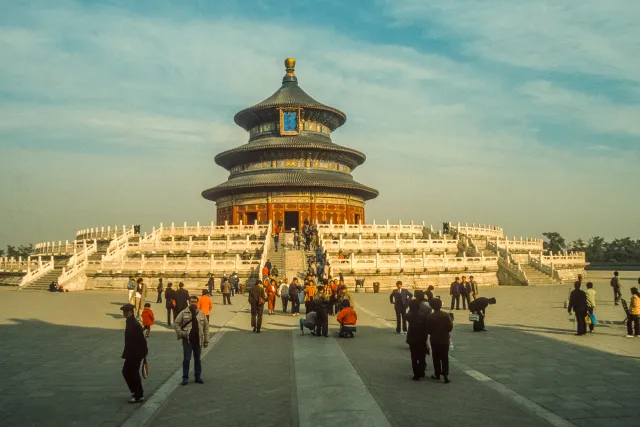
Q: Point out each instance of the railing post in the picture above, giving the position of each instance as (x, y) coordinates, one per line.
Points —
(197, 228)
(352, 260)
(141, 263)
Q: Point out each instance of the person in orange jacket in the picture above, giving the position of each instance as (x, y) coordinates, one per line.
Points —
(147, 319)
(347, 319)
(205, 304)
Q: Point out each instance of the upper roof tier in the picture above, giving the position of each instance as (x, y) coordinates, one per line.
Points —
(290, 95)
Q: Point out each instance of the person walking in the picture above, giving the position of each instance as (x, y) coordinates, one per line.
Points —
(283, 293)
(272, 291)
(320, 306)
(276, 238)
(159, 288)
(400, 299)
(454, 291)
(591, 305)
(464, 292)
(274, 272)
(293, 296)
(439, 327)
(257, 298)
(131, 289)
(205, 304)
(170, 302)
(139, 296)
(135, 350)
(417, 338)
(148, 319)
(617, 289)
(268, 267)
(211, 283)
(192, 328)
(301, 295)
(479, 307)
(226, 292)
(578, 303)
(633, 317)
(182, 299)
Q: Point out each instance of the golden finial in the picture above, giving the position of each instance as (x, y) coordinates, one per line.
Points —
(290, 65)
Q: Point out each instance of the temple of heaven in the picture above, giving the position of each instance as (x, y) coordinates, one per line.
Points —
(290, 170)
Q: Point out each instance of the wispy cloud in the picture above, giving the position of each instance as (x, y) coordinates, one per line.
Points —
(490, 131)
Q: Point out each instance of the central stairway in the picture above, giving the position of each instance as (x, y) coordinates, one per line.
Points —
(535, 276)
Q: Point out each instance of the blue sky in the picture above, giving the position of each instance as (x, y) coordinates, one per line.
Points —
(523, 114)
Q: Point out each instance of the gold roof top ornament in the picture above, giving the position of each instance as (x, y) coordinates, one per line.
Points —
(290, 66)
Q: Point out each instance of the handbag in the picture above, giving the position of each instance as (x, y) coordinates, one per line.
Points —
(474, 317)
(144, 371)
(587, 319)
(593, 318)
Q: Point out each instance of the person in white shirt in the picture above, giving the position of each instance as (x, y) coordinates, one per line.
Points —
(283, 292)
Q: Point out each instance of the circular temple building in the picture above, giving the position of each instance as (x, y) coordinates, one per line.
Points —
(290, 170)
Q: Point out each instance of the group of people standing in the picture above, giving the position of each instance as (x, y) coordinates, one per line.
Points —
(461, 288)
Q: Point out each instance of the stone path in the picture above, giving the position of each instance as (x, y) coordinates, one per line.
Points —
(60, 366)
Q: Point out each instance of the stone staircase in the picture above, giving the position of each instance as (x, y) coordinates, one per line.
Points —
(42, 283)
(278, 258)
(535, 276)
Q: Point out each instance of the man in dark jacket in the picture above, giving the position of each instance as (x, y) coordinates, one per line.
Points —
(479, 306)
(169, 298)
(211, 285)
(135, 349)
(454, 291)
(257, 298)
(417, 338)
(294, 298)
(464, 292)
(439, 327)
(578, 303)
(321, 307)
(400, 299)
(615, 284)
(159, 288)
(182, 299)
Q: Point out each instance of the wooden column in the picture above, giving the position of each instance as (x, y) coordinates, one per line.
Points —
(313, 216)
(270, 210)
(234, 215)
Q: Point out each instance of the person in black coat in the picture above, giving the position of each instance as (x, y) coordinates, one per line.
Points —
(182, 299)
(429, 294)
(479, 306)
(294, 298)
(417, 339)
(439, 327)
(135, 349)
(169, 302)
(578, 303)
(454, 291)
(400, 299)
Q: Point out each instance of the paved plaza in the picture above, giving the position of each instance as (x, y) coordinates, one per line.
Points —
(61, 366)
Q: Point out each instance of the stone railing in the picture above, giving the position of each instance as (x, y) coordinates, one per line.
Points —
(265, 249)
(100, 233)
(522, 245)
(78, 262)
(185, 264)
(550, 264)
(396, 244)
(55, 248)
(379, 263)
(188, 246)
(43, 268)
(254, 229)
(118, 246)
(513, 268)
(385, 228)
(474, 230)
(19, 265)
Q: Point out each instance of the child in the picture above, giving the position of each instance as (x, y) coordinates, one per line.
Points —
(347, 319)
(147, 319)
(204, 303)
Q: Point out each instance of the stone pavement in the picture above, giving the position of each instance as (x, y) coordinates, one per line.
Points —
(60, 366)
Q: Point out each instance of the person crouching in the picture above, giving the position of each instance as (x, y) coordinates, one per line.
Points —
(347, 319)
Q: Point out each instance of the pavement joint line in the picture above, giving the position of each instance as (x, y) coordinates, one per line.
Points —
(553, 419)
(152, 406)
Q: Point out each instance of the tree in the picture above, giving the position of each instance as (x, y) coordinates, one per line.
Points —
(1, 253)
(595, 249)
(578, 246)
(12, 252)
(20, 251)
(554, 241)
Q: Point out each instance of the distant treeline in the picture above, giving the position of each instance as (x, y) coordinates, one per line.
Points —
(17, 251)
(596, 249)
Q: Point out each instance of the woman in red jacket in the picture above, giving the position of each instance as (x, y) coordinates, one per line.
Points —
(272, 290)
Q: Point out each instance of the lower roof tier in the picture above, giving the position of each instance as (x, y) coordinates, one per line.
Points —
(280, 179)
